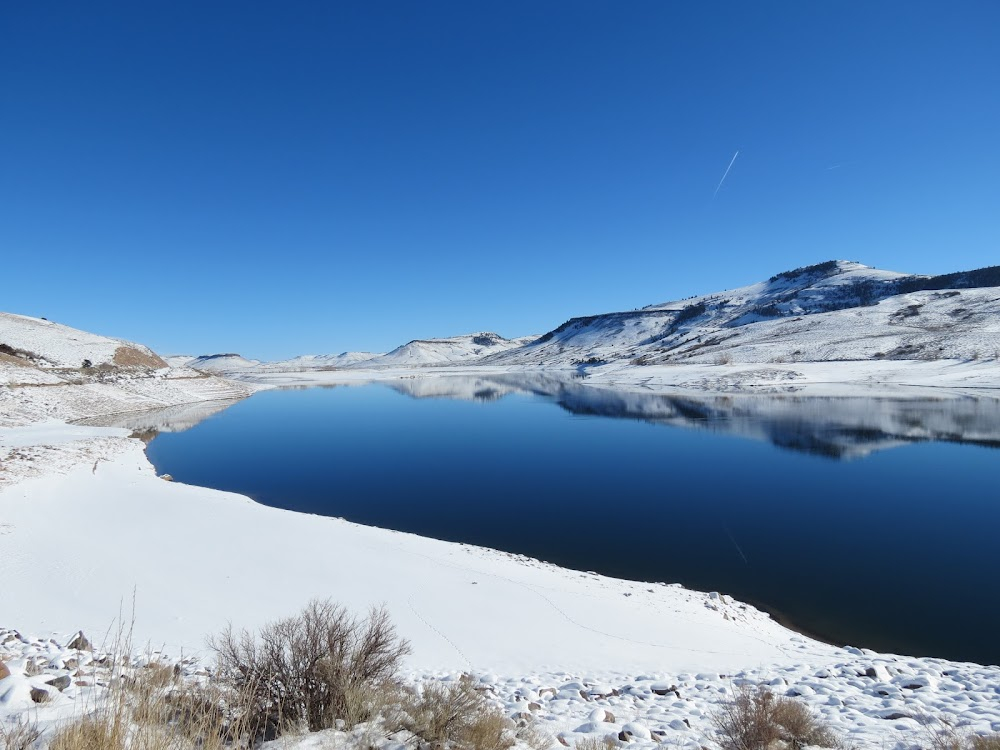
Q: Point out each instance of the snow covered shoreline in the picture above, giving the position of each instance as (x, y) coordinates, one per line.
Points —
(898, 379)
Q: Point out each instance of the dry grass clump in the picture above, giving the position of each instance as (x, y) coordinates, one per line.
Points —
(142, 714)
(597, 743)
(458, 716)
(535, 738)
(941, 735)
(756, 719)
(18, 735)
(309, 670)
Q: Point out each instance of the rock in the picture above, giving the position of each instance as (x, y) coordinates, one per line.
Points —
(895, 715)
(4, 672)
(662, 688)
(639, 731)
(39, 695)
(166, 477)
(877, 672)
(534, 706)
(601, 715)
(915, 682)
(80, 643)
(59, 683)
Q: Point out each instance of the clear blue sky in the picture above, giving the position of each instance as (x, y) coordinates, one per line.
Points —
(283, 178)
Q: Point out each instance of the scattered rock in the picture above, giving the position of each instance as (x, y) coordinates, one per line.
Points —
(4, 672)
(80, 643)
(40, 695)
(59, 683)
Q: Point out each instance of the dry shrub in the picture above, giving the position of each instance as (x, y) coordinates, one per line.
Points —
(798, 725)
(755, 719)
(18, 735)
(457, 714)
(985, 742)
(311, 669)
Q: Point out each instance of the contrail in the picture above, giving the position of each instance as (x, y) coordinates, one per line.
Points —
(725, 175)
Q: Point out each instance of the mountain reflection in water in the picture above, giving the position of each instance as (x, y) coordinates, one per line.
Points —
(841, 427)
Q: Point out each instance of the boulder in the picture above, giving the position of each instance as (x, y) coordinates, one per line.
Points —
(59, 683)
(80, 643)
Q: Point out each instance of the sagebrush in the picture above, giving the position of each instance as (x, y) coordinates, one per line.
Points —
(309, 670)
(755, 718)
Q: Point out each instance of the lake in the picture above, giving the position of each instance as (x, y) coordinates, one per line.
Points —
(863, 521)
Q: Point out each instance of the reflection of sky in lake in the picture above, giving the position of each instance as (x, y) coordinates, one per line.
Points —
(882, 551)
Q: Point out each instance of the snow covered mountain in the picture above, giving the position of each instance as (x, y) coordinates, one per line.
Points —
(235, 365)
(214, 363)
(454, 350)
(320, 361)
(838, 310)
(832, 311)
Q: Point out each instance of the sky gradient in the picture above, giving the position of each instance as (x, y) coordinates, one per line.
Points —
(280, 179)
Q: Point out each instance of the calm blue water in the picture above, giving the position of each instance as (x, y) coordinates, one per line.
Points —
(895, 550)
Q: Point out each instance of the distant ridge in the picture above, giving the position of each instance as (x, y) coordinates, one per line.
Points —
(831, 311)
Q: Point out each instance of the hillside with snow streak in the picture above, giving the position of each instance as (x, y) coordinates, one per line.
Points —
(833, 311)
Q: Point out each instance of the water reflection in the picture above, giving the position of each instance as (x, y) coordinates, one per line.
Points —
(837, 427)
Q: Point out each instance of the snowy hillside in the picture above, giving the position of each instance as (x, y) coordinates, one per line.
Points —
(50, 371)
(455, 350)
(41, 343)
(838, 310)
(235, 365)
(216, 363)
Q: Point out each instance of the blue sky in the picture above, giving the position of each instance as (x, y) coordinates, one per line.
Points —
(284, 178)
